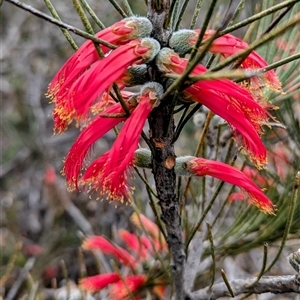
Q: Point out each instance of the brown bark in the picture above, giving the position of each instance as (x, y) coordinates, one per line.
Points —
(163, 157)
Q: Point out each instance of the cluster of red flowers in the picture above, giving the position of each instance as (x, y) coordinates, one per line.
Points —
(144, 247)
(83, 86)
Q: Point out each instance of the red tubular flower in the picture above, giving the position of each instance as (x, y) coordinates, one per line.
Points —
(170, 62)
(280, 159)
(98, 282)
(135, 243)
(228, 45)
(104, 72)
(106, 101)
(160, 291)
(117, 34)
(254, 175)
(244, 131)
(226, 99)
(120, 288)
(95, 130)
(227, 173)
(237, 196)
(50, 175)
(130, 284)
(142, 222)
(103, 245)
(109, 172)
(225, 45)
(83, 92)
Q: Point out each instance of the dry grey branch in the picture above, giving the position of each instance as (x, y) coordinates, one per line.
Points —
(22, 277)
(268, 284)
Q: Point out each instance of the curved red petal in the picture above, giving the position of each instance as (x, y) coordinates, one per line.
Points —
(87, 55)
(95, 130)
(228, 45)
(120, 290)
(98, 282)
(100, 243)
(99, 77)
(234, 115)
(109, 172)
(227, 173)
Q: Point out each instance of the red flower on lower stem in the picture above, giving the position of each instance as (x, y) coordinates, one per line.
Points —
(120, 288)
(145, 248)
(227, 173)
(108, 174)
(237, 196)
(226, 45)
(129, 285)
(254, 175)
(139, 244)
(98, 282)
(142, 222)
(226, 99)
(100, 243)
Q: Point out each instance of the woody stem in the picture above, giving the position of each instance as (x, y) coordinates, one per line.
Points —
(163, 162)
(162, 132)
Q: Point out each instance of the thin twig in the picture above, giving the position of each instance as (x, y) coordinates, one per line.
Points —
(145, 182)
(18, 282)
(182, 11)
(269, 36)
(237, 75)
(66, 278)
(127, 7)
(10, 265)
(274, 65)
(59, 23)
(237, 12)
(203, 29)
(263, 267)
(196, 13)
(171, 15)
(212, 249)
(277, 20)
(289, 220)
(203, 134)
(199, 146)
(227, 283)
(92, 14)
(63, 30)
(258, 16)
(183, 120)
(118, 8)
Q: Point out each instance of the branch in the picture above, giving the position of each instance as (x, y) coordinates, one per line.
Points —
(268, 284)
(158, 12)
(162, 130)
(21, 278)
(193, 261)
(60, 23)
(163, 162)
